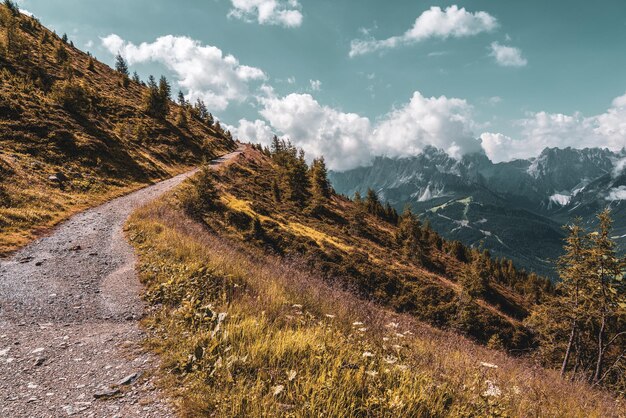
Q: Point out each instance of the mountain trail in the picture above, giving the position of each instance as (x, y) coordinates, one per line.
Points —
(70, 305)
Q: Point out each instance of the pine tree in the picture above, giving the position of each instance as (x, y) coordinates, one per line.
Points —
(165, 92)
(475, 277)
(64, 38)
(583, 323)
(120, 65)
(136, 78)
(319, 179)
(607, 291)
(409, 236)
(182, 102)
(201, 110)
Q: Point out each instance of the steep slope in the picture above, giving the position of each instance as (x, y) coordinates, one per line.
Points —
(73, 132)
(261, 308)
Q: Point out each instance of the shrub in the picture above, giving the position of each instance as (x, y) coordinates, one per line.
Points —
(71, 95)
(199, 195)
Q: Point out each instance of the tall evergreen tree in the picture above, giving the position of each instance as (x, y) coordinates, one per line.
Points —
(121, 66)
(319, 179)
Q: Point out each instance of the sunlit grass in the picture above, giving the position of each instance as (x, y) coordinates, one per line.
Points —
(244, 336)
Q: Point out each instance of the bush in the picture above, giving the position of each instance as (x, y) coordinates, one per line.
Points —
(199, 195)
(71, 95)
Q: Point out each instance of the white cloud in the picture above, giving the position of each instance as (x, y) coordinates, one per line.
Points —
(257, 131)
(348, 140)
(542, 129)
(268, 12)
(441, 122)
(316, 85)
(203, 70)
(617, 193)
(507, 56)
(433, 23)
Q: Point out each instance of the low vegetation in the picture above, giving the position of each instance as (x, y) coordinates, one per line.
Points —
(248, 333)
(74, 132)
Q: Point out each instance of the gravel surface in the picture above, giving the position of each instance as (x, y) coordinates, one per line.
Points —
(70, 341)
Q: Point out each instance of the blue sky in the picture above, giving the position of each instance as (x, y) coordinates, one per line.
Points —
(355, 78)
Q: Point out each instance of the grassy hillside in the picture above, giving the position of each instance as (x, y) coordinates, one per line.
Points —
(359, 251)
(254, 318)
(73, 132)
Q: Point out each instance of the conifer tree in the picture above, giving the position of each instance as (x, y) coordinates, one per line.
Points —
(165, 92)
(136, 78)
(120, 65)
(606, 300)
(475, 276)
(319, 179)
(409, 236)
(582, 327)
(64, 38)
(182, 102)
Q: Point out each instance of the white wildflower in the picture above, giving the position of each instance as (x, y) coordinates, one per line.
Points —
(371, 373)
(392, 325)
(329, 316)
(357, 324)
(492, 389)
(277, 390)
(390, 359)
(362, 329)
(291, 374)
(368, 354)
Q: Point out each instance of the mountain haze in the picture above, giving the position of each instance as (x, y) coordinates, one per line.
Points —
(514, 209)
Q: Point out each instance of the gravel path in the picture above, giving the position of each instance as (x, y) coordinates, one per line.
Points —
(70, 341)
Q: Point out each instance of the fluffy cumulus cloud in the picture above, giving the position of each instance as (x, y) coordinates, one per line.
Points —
(203, 70)
(507, 56)
(453, 22)
(441, 122)
(542, 129)
(268, 12)
(349, 140)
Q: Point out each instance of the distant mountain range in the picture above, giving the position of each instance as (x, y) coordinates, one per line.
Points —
(514, 209)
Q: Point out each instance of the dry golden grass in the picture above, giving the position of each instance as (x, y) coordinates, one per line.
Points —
(106, 149)
(243, 335)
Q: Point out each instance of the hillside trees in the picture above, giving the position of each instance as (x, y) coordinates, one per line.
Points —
(121, 66)
(582, 327)
(157, 98)
(293, 174)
